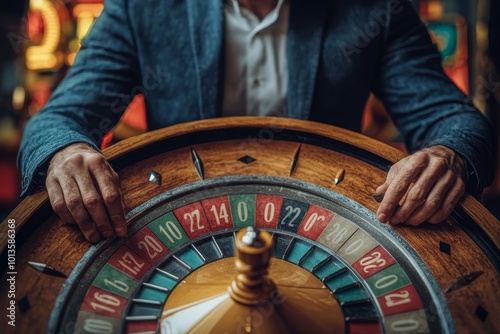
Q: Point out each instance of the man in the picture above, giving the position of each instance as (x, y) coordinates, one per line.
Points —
(315, 60)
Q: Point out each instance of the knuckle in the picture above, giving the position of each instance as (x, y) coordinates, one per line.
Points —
(433, 204)
(71, 162)
(73, 202)
(59, 206)
(92, 201)
(398, 185)
(442, 168)
(441, 162)
(95, 159)
(416, 197)
(419, 155)
(418, 159)
(111, 196)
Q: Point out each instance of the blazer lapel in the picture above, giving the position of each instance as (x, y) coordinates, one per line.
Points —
(305, 36)
(206, 27)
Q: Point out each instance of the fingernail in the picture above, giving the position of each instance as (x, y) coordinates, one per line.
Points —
(378, 197)
(382, 218)
(121, 232)
(95, 237)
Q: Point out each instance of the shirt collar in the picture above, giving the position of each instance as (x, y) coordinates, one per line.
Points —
(235, 6)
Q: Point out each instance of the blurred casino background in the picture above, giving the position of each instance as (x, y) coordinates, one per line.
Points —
(40, 38)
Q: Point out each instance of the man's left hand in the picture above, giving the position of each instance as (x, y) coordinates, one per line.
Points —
(424, 186)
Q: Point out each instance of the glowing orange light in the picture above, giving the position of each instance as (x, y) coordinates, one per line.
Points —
(85, 15)
(35, 27)
(44, 56)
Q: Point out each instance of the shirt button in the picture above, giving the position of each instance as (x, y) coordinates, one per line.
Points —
(256, 82)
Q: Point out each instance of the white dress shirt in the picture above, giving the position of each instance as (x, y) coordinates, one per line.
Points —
(256, 73)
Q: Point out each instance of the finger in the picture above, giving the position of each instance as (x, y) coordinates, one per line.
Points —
(398, 188)
(74, 203)
(418, 191)
(382, 189)
(93, 204)
(109, 185)
(434, 200)
(390, 176)
(57, 202)
(449, 203)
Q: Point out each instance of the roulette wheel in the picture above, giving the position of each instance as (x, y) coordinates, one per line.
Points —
(195, 192)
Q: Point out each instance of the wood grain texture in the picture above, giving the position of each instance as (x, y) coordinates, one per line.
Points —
(62, 246)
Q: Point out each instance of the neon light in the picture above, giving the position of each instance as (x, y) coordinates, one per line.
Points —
(44, 56)
(85, 15)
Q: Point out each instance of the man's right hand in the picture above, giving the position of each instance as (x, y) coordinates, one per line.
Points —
(83, 189)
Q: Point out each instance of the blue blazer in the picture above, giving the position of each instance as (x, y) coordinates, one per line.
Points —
(338, 52)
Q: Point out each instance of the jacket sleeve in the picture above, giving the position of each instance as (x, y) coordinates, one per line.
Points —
(89, 101)
(424, 104)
